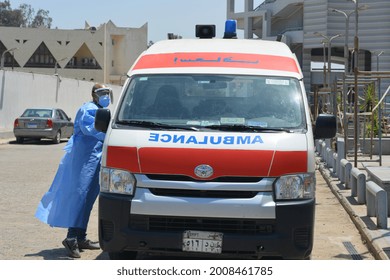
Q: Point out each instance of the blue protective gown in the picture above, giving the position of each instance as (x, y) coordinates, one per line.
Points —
(69, 201)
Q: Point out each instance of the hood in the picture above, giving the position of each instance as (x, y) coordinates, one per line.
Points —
(228, 154)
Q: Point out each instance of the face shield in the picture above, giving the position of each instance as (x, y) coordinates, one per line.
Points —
(104, 91)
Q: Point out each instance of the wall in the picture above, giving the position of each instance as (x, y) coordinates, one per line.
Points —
(19, 90)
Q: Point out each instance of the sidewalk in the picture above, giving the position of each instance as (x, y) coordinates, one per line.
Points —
(6, 136)
(377, 240)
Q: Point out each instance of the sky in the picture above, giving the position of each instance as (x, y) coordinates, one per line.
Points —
(163, 16)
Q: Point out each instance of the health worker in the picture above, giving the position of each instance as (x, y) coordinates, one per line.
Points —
(69, 201)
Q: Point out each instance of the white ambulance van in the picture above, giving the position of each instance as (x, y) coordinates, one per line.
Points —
(210, 154)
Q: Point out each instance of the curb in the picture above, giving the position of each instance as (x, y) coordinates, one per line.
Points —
(375, 249)
(6, 137)
(4, 141)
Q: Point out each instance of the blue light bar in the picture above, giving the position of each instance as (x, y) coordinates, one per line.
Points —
(230, 29)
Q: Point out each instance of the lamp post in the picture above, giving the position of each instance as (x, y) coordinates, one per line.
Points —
(324, 67)
(3, 56)
(58, 77)
(329, 41)
(346, 51)
(356, 96)
(378, 54)
(346, 62)
(345, 89)
(3, 78)
(347, 16)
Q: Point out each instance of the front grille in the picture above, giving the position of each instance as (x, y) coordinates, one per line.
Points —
(174, 224)
(183, 178)
(203, 193)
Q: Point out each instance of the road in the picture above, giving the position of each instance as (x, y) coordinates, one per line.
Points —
(26, 172)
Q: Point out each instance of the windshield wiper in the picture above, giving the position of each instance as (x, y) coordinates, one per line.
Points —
(241, 127)
(155, 125)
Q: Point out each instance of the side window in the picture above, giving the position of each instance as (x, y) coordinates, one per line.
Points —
(64, 116)
(58, 115)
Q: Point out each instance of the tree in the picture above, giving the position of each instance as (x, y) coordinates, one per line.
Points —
(28, 14)
(9, 17)
(370, 101)
(42, 19)
(23, 16)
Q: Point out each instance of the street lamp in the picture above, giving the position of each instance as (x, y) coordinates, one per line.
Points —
(329, 41)
(356, 68)
(347, 16)
(3, 56)
(378, 54)
(324, 67)
(346, 62)
(346, 51)
(58, 77)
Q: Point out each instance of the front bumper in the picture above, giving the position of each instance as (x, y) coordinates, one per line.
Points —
(289, 236)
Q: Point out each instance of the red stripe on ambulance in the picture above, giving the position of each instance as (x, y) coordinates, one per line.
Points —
(231, 60)
(285, 162)
(256, 163)
(123, 158)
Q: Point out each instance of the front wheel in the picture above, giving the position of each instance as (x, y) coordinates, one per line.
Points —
(57, 138)
(125, 255)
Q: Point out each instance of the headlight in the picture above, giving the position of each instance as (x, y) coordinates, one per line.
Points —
(296, 186)
(117, 181)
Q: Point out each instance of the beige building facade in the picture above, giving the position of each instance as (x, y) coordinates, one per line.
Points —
(98, 54)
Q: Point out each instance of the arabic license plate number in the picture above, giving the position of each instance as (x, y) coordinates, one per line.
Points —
(32, 125)
(202, 241)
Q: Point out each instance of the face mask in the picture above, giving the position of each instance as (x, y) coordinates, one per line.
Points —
(104, 101)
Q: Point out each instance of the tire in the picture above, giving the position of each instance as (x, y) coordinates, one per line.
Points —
(125, 255)
(57, 138)
(19, 140)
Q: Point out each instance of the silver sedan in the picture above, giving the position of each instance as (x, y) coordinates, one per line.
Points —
(38, 123)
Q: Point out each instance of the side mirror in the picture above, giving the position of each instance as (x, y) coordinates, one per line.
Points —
(326, 126)
(102, 119)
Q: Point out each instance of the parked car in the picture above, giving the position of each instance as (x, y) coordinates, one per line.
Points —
(38, 123)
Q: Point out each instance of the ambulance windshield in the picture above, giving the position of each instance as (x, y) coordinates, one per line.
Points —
(210, 101)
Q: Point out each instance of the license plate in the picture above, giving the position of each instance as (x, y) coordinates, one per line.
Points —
(32, 125)
(202, 241)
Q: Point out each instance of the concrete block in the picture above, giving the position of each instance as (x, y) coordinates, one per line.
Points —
(335, 165)
(358, 185)
(381, 176)
(377, 204)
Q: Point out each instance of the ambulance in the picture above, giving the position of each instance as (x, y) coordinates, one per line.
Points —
(209, 153)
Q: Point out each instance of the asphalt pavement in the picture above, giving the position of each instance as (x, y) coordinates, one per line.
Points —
(377, 240)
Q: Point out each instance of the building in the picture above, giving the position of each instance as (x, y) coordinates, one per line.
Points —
(308, 26)
(101, 54)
